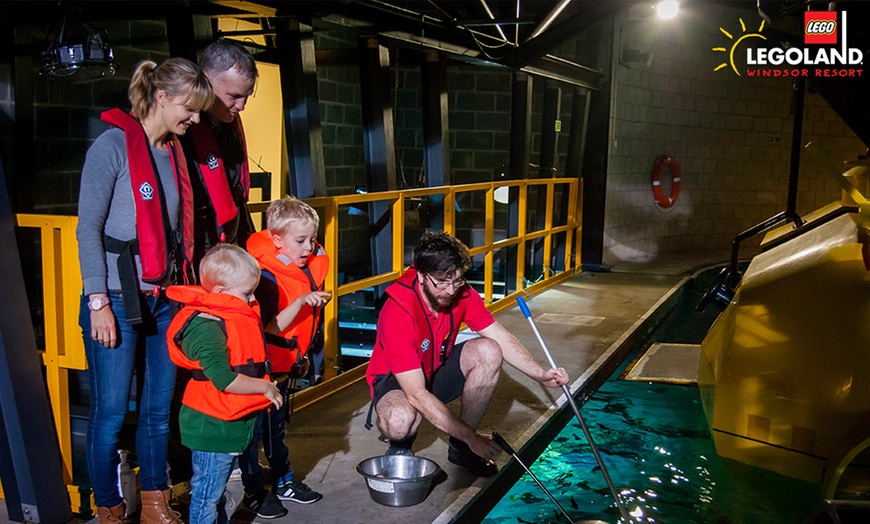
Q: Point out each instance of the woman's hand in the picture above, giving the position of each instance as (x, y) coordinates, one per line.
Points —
(103, 328)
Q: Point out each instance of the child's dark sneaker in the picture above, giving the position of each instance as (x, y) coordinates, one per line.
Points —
(264, 504)
(298, 492)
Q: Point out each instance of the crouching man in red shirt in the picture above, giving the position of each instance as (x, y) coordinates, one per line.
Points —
(417, 368)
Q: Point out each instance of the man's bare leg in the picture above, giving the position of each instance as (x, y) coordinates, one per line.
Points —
(397, 419)
(480, 363)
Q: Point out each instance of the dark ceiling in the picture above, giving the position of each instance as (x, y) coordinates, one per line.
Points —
(512, 33)
(518, 34)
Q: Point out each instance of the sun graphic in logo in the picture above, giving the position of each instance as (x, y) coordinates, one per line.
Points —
(733, 47)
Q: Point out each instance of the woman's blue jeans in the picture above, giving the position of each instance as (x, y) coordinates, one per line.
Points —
(211, 471)
(110, 372)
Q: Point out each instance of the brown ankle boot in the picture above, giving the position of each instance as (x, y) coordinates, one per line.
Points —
(156, 510)
(112, 515)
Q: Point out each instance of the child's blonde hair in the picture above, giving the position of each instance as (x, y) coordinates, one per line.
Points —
(281, 213)
(226, 265)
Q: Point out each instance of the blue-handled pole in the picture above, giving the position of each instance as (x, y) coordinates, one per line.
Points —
(528, 314)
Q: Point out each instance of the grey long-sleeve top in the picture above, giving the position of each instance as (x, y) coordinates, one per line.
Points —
(106, 207)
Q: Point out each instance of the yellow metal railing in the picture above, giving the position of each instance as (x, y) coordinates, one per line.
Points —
(62, 280)
(397, 201)
(64, 349)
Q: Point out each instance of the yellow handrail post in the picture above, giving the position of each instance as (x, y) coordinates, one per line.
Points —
(548, 226)
(330, 311)
(578, 216)
(572, 226)
(489, 235)
(522, 209)
(398, 220)
(64, 349)
(450, 211)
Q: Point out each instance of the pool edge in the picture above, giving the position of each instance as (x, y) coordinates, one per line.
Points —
(475, 503)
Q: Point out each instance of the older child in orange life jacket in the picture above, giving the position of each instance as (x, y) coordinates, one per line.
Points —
(291, 299)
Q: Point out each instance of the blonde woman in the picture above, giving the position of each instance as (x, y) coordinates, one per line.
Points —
(135, 239)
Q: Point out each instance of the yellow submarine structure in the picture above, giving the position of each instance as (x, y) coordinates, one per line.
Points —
(784, 371)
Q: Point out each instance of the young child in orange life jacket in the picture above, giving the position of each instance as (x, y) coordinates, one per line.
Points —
(291, 299)
(218, 336)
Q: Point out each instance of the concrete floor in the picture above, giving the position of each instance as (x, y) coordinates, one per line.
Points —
(585, 321)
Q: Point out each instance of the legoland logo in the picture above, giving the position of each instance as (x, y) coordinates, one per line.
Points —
(733, 47)
(821, 28)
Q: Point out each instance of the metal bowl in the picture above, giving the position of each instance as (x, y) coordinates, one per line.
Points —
(398, 480)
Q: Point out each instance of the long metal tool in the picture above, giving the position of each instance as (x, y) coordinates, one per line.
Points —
(528, 314)
(509, 450)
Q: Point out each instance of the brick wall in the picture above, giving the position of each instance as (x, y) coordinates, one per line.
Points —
(67, 113)
(731, 134)
(479, 130)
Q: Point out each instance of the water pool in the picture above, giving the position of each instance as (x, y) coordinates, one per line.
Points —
(654, 440)
(656, 445)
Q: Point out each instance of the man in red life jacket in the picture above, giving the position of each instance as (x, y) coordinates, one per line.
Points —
(217, 158)
(217, 152)
(417, 367)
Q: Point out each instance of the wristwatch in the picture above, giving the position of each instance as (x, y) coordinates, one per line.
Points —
(98, 303)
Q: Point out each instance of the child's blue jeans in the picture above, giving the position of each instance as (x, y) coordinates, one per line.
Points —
(211, 471)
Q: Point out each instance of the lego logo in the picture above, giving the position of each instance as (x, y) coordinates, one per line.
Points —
(821, 27)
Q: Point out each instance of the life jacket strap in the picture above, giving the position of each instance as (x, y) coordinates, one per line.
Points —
(126, 251)
(251, 369)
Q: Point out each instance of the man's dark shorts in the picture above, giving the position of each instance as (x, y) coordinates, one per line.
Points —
(447, 383)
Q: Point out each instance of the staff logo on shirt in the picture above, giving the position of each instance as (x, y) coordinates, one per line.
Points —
(212, 162)
(146, 191)
(425, 345)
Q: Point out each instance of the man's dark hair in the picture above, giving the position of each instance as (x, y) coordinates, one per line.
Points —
(224, 55)
(440, 254)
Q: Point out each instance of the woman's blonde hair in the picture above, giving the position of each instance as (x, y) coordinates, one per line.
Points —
(281, 213)
(226, 265)
(178, 77)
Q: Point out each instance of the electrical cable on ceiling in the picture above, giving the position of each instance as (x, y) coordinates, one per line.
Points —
(483, 48)
(503, 41)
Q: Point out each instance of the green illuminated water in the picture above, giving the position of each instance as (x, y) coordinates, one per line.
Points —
(654, 441)
(657, 448)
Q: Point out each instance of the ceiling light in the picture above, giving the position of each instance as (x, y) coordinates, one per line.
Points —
(667, 9)
(88, 59)
(93, 58)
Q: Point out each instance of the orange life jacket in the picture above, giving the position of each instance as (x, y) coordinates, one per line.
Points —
(152, 222)
(245, 348)
(292, 344)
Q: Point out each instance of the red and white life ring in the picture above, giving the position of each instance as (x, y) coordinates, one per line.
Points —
(663, 200)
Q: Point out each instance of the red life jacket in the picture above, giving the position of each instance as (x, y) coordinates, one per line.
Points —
(292, 344)
(432, 353)
(152, 222)
(208, 155)
(246, 351)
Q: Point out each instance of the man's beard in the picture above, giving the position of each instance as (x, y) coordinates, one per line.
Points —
(437, 302)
